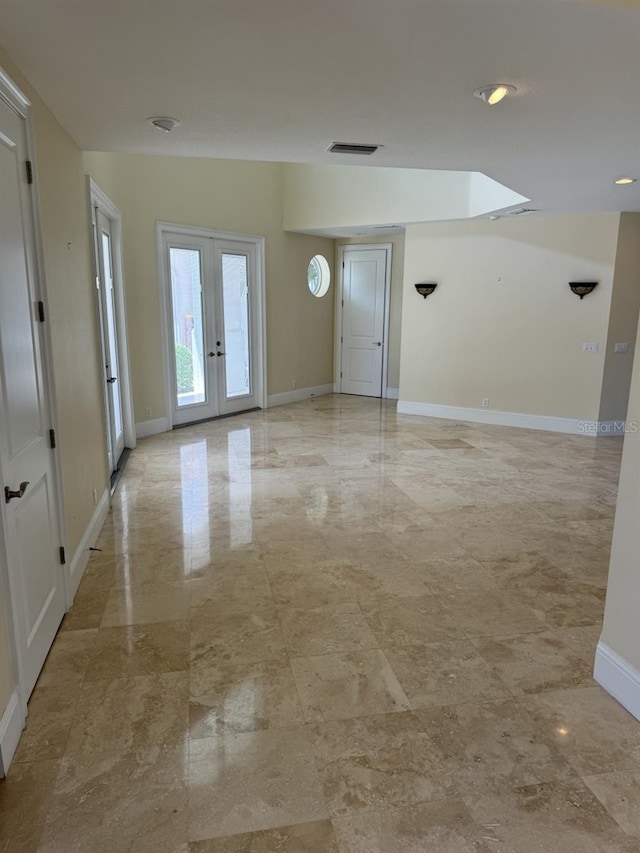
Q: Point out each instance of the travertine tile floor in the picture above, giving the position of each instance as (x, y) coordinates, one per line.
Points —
(327, 628)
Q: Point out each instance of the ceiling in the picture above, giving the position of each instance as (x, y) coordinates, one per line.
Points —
(281, 79)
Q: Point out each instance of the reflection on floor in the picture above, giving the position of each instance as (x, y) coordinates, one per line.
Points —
(326, 628)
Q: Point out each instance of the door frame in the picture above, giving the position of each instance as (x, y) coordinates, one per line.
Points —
(98, 198)
(163, 228)
(13, 720)
(348, 247)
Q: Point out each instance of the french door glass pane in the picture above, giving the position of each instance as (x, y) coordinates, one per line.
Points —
(235, 300)
(111, 333)
(188, 329)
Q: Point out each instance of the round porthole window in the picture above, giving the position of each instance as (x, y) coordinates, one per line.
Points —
(318, 275)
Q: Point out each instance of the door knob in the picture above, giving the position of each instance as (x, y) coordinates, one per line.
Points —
(220, 353)
(112, 380)
(211, 354)
(377, 343)
(9, 495)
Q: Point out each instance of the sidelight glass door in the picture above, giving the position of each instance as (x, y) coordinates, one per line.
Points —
(211, 326)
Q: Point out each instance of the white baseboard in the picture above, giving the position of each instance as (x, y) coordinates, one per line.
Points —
(618, 678)
(81, 557)
(298, 394)
(11, 726)
(392, 393)
(574, 426)
(153, 427)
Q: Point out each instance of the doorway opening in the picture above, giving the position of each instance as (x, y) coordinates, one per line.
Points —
(213, 305)
(362, 319)
(106, 222)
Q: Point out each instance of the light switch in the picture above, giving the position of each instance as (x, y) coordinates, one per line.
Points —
(590, 346)
(621, 348)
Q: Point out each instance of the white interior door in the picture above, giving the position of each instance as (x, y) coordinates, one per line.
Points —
(212, 323)
(29, 511)
(108, 320)
(363, 321)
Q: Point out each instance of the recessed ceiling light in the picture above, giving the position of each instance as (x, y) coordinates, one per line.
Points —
(494, 93)
(622, 182)
(164, 123)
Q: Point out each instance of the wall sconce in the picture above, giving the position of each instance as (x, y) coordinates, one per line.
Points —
(426, 289)
(582, 288)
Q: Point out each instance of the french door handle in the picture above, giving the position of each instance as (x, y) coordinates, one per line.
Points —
(112, 380)
(9, 495)
(220, 353)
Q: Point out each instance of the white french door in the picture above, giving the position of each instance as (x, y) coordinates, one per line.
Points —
(109, 332)
(364, 303)
(29, 511)
(212, 311)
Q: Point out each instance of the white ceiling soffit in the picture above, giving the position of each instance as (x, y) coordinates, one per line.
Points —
(281, 80)
(322, 199)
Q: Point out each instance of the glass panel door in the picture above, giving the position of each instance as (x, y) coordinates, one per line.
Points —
(188, 265)
(236, 329)
(188, 328)
(235, 303)
(109, 331)
(211, 325)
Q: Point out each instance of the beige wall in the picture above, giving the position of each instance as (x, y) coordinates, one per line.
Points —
(395, 301)
(623, 319)
(503, 323)
(72, 318)
(621, 630)
(306, 359)
(238, 196)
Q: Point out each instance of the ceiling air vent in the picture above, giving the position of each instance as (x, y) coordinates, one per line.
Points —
(352, 148)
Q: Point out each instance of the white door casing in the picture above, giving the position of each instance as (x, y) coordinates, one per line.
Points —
(364, 320)
(218, 270)
(30, 520)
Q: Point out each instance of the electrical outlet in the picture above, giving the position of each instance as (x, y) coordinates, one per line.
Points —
(590, 346)
(485, 402)
(95, 496)
(293, 384)
(621, 347)
(148, 411)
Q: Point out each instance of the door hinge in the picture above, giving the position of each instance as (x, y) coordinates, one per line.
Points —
(41, 311)
(63, 556)
(343, 265)
(340, 374)
(341, 339)
(343, 303)
(29, 169)
(52, 438)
